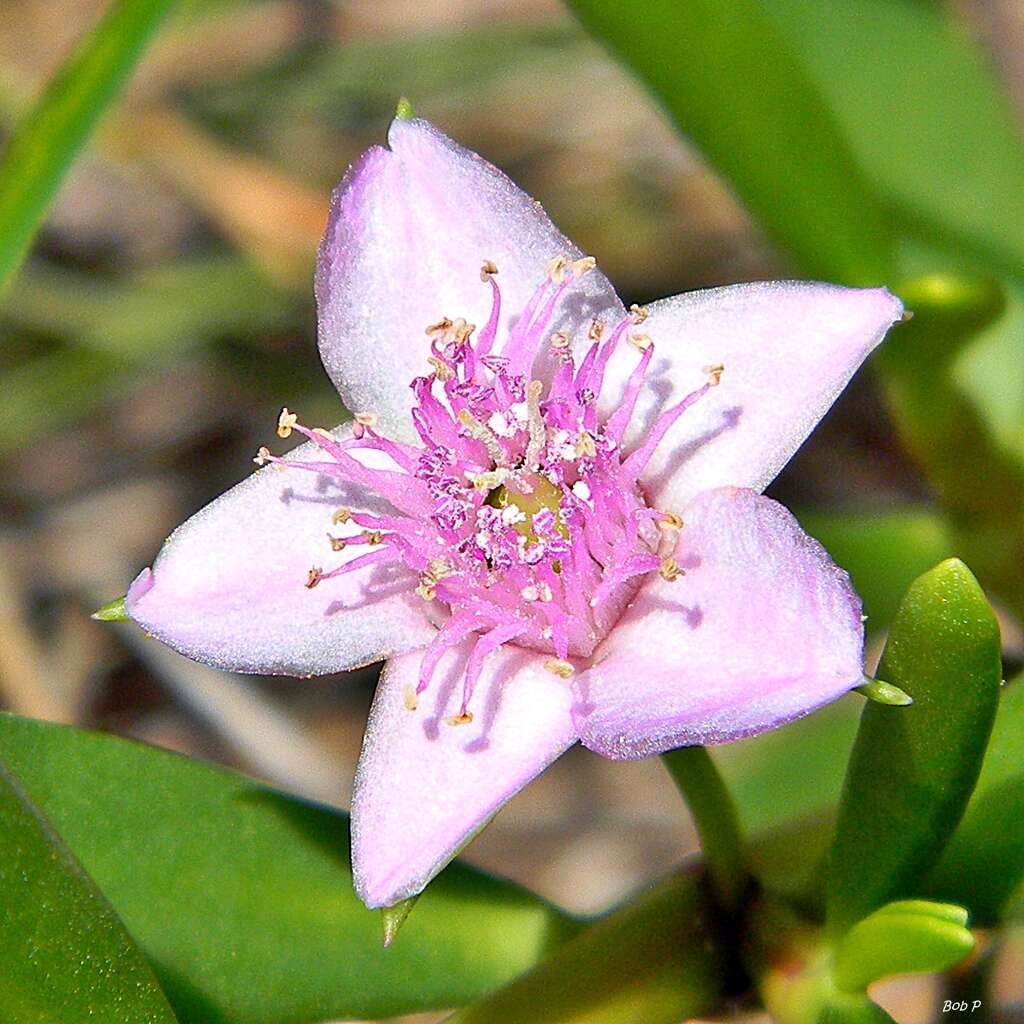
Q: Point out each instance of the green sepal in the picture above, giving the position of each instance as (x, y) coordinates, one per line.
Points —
(905, 937)
(113, 611)
(392, 918)
(882, 692)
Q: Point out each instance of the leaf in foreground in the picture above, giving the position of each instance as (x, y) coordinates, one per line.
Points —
(65, 955)
(242, 897)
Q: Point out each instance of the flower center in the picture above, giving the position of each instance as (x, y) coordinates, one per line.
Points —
(519, 510)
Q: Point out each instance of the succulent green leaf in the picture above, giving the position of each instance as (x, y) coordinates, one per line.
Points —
(768, 131)
(656, 960)
(46, 143)
(983, 866)
(913, 768)
(65, 955)
(241, 896)
(906, 937)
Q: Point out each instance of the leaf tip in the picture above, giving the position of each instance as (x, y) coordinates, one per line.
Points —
(882, 692)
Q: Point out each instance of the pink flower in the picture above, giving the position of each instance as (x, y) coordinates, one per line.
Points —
(549, 522)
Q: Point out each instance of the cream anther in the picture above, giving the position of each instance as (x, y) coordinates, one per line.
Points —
(555, 269)
(341, 515)
(285, 422)
(559, 343)
(461, 330)
(714, 373)
(640, 341)
(442, 371)
(326, 434)
(530, 593)
(366, 419)
(462, 718)
(586, 446)
(313, 578)
(373, 537)
(670, 569)
(262, 457)
(410, 698)
(639, 313)
(584, 265)
(441, 327)
(558, 667)
(669, 521)
(487, 270)
(337, 543)
(595, 330)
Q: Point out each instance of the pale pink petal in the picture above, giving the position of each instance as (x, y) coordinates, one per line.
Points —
(409, 230)
(788, 349)
(424, 787)
(763, 628)
(228, 588)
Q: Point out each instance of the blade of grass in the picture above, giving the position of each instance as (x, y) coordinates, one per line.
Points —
(47, 141)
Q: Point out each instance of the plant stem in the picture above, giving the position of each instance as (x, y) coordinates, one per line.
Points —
(714, 814)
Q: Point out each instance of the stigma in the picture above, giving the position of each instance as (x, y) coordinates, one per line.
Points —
(519, 511)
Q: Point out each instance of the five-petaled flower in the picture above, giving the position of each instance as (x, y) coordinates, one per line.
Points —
(546, 514)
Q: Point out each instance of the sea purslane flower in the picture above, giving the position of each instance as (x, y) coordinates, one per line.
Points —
(546, 513)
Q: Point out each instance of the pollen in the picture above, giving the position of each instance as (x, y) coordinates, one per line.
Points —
(559, 667)
(286, 422)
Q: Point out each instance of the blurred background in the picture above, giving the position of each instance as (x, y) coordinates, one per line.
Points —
(166, 315)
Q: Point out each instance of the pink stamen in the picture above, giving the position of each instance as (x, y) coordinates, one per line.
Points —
(517, 512)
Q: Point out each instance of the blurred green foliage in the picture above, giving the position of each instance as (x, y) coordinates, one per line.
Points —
(241, 897)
